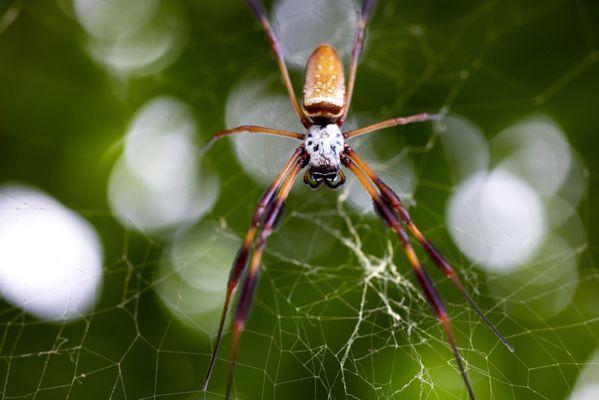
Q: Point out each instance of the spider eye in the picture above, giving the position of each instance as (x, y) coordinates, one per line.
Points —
(313, 179)
(335, 179)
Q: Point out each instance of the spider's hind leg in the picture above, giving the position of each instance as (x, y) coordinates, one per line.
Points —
(264, 205)
(393, 200)
(271, 219)
(386, 213)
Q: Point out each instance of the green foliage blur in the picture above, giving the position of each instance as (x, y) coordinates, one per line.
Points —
(63, 117)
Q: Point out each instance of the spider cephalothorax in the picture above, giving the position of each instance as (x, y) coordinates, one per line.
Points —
(324, 145)
(324, 151)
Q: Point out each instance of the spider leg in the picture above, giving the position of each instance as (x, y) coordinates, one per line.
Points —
(253, 129)
(242, 255)
(392, 199)
(434, 300)
(367, 9)
(392, 122)
(260, 13)
(251, 278)
(258, 129)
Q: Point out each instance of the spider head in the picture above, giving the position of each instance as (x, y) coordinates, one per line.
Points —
(314, 177)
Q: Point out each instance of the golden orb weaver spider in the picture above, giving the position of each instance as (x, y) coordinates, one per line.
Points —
(323, 112)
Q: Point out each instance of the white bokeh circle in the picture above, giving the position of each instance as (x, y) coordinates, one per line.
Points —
(543, 286)
(303, 25)
(261, 156)
(537, 151)
(133, 37)
(496, 219)
(193, 278)
(587, 385)
(465, 146)
(50, 257)
(160, 183)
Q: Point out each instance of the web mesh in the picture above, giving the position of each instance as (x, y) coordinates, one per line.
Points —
(337, 313)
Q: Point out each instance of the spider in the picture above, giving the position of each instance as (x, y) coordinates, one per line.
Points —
(324, 151)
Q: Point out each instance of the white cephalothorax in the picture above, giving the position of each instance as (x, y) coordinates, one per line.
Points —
(323, 144)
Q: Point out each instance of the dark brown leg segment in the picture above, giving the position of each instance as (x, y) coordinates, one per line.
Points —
(242, 255)
(251, 278)
(395, 202)
(430, 293)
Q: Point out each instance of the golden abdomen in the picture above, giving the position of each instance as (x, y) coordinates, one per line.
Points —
(324, 87)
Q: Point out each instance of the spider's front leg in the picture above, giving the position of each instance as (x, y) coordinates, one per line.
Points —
(386, 213)
(265, 202)
(392, 199)
(260, 13)
(367, 10)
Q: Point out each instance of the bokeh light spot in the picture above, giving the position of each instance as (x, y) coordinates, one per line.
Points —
(109, 19)
(303, 25)
(543, 286)
(537, 151)
(465, 146)
(587, 386)
(496, 219)
(133, 37)
(193, 279)
(261, 155)
(159, 183)
(50, 257)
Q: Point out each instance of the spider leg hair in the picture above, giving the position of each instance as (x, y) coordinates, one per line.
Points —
(385, 212)
(367, 10)
(395, 202)
(392, 122)
(258, 10)
(251, 277)
(264, 204)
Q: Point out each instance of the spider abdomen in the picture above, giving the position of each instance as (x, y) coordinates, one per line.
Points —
(324, 88)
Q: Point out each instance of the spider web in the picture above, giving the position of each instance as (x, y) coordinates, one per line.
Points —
(337, 313)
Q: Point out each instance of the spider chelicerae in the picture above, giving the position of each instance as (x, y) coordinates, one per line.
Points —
(323, 151)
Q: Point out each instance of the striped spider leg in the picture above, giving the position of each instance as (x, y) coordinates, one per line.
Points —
(271, 218)
(392, 199)
(391, 210)
(384, 211)
(265, 203)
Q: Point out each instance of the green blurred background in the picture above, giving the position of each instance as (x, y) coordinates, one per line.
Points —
(336, 315)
